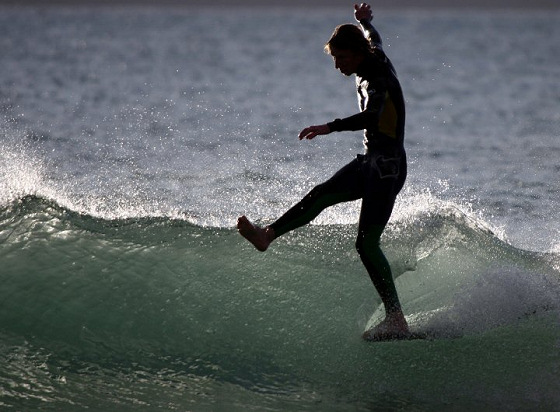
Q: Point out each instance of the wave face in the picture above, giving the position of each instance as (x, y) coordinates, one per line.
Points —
(162, 314)
(132, 137)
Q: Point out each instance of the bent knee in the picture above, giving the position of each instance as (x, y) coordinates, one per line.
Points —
(359, 245)
(369, 240)
(364, 243)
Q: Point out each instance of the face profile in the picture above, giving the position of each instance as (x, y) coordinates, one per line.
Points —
(347, 61)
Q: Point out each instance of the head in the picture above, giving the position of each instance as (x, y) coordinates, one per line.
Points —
(348, 47)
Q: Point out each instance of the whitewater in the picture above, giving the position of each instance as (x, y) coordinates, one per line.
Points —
(131, 140)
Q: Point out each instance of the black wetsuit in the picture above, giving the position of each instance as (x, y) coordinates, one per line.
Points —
(376, 177)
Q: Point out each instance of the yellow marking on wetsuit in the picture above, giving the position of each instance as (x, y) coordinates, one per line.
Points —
(388, 118)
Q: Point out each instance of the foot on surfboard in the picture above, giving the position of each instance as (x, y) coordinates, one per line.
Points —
(391, 329)
(370, 337)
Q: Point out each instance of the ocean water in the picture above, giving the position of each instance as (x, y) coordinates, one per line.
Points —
(131, 139)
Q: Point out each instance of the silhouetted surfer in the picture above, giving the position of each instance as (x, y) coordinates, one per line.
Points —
(376, 177)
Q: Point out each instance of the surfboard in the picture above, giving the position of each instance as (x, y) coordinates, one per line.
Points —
(388, 338)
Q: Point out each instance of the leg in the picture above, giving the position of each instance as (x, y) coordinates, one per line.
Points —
(380, 273)
(377, 206)
(344, 186)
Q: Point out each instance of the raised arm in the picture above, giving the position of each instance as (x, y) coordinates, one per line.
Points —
(364, 15)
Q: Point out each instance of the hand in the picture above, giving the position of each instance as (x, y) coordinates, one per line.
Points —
(363, 12)
(312, 131)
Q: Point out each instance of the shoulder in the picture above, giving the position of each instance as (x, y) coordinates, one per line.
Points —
(376, 64)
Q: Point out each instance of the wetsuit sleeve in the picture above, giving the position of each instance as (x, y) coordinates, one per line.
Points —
(371, 34)
(368, 118)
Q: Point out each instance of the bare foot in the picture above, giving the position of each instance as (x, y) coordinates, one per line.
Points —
(259, 237)
(392, 327)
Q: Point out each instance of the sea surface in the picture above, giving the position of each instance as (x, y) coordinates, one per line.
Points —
(131, 138)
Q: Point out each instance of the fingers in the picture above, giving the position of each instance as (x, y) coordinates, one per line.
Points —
(312, 131)
(362, 11)
(308, 133)
(363, 6)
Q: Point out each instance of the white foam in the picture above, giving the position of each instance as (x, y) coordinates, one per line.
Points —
(495, 298)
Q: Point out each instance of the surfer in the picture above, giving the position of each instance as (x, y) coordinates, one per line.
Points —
(376, 177)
